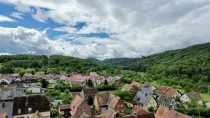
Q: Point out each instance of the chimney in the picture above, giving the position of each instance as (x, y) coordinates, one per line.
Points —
(3, 104)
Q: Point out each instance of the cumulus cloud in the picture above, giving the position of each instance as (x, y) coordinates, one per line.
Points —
(6, 19)
(135, 27)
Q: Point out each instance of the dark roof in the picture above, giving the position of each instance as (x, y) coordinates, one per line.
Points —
(89, 91)
(143, 97)
(36, 102)
(7, 108)
(164, 99)
(194, 95)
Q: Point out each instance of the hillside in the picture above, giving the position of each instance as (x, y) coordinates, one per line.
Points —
(188, 67)
(53, 64)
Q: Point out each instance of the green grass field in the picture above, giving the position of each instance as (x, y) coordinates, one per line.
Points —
(205, 97)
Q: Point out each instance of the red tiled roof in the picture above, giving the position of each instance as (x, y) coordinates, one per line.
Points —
(141, 113)
(113, 100)
(93, 75)
(27, 75)
(126, 86)
(134, 84)
(15, 75)
(164, 112)
(75, 93)
(76, 103)
(166, 90)
(171, 92)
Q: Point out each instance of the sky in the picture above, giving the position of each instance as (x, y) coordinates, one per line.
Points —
(102, 28)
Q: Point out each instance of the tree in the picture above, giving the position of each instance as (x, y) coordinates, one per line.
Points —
(66, 98)
(6, 68)
(44, 83)
(54, 112)
(106, 82)
(151, 109)
(90, 83)
(90, 100)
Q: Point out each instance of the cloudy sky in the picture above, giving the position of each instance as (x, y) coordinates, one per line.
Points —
(102, 28)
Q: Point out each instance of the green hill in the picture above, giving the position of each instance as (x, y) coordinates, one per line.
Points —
(188, 67)
(53, 64)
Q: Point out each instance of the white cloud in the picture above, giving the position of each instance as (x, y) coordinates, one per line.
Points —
(17, 15)
(136, 28)
(6, 19)
(39, 15)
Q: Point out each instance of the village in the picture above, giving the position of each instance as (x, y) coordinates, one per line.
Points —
(75, 95)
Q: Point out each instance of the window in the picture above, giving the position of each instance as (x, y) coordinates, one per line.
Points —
(121, 105)
(122, 110)
(19, 111)
(29, 110)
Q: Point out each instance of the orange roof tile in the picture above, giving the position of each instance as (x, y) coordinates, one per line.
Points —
(164, 112)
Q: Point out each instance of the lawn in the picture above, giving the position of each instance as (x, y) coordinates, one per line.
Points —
(155, 83)
(205, 97)
(181, 91)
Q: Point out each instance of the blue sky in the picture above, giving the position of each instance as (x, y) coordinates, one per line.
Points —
(102, 29)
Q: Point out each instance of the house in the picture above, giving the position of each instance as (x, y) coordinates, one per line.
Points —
(207, 104)
(126, 87)
(129, 86)
(167, 101)
(148, 86)
(37, 114)
(5, 78)
(191, 95)
(112, 113)
(63, 75)
(99, 82)
(74, 94)
(144, 98)
(15, 75)
(27, 75)
(110, 79)
(37, 89)
(102, 116)
(88, 92)
(40, 74)
(165, 112)
(138, 112)
(26, 106)
(65, 110)
(134, 83)
(6, 107)
(93, 75)
(11, 91)
(50, 78)
(168, 91)
(3, 115)
(8, 81)
(105, 102)
(78, 106)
